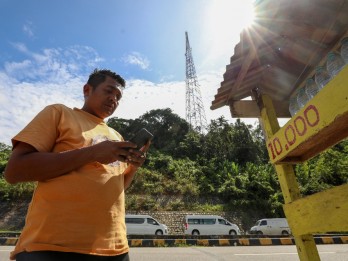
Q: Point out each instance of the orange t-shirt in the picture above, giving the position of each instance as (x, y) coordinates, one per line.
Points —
(84, 210)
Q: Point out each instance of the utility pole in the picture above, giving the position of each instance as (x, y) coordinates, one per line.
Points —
(195, 114)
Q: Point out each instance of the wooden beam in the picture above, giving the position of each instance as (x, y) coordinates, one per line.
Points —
(244, 69)
(250, 109)
(305, 216)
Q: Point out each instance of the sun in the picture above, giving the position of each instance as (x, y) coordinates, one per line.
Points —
(223, 22)
(249, 14)
(233, 14)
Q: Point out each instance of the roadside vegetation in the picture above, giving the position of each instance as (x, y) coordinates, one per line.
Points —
(225, 169)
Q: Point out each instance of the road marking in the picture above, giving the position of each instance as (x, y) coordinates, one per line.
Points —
(275, 254)
(270, 254)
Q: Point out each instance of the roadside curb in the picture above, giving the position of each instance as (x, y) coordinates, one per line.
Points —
(11, 241)
(230, 242)
(8, 241)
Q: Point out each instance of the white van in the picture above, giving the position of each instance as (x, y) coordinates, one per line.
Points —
(144, 225)
(271, 226)
(209, 225)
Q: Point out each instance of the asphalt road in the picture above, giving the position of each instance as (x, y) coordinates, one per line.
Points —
(338, 252)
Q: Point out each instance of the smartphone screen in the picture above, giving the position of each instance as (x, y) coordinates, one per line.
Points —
(141, 137)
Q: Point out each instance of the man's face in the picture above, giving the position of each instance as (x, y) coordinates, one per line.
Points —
(104, 99)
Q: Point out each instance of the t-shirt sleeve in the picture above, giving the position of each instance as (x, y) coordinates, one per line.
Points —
(117, 134)
(41, 132)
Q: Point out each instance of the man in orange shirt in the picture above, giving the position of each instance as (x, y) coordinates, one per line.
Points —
(82, 167)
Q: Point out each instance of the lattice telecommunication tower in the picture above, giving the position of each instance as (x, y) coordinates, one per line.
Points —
(195, 114)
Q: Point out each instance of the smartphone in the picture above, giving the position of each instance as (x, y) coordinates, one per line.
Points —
(141, 137)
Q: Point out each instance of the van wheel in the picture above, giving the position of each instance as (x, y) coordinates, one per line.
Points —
(285, 233)
(159, 233)
(233, 233)
(195, 233)
(259, 233)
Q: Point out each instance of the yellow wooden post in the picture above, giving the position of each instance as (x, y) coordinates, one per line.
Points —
(305, 244)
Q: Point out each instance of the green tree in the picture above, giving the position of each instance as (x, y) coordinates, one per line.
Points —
(5, 152)
(260, 144)
(245, 149)
(191, 146)
(217, 142)
(228, 163)
(232, 142)
(168, 128)
(120, 125)
(328, 169)
(261, 190)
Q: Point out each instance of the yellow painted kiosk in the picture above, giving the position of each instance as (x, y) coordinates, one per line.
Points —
(270, 64)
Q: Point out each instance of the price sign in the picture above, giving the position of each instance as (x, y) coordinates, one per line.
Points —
(291, 134)
(327, 108)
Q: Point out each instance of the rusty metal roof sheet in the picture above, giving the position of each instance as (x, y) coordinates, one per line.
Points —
(280, 51)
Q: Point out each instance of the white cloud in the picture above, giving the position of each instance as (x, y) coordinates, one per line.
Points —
(55, 76)
(28, 29)
(138, 59)
(20, 47)
(51, 76)
(21, 101)
(142, 96)
(53, 65)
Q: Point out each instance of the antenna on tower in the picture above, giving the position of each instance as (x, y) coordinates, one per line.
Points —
(195, 114)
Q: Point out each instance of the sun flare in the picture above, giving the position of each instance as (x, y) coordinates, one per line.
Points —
(223, 23)
(236, 14)
(249, 14)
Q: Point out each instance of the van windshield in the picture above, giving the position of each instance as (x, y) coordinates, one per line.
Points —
(152, 221)
(224, 222)
(263, 223)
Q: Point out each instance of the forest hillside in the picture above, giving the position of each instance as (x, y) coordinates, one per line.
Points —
(223, 169)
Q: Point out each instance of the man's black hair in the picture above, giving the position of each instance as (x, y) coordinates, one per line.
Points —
(99, 76)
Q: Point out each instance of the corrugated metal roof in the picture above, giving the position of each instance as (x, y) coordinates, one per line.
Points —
(280, 51)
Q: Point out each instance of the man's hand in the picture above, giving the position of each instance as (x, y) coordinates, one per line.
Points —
(110, 151)
(138, 157)
(136, 160)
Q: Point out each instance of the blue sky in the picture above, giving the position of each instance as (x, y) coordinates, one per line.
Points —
(48, 48)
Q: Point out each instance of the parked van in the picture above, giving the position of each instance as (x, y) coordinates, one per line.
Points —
(271, 226)
(144, 225)
(209, 225)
